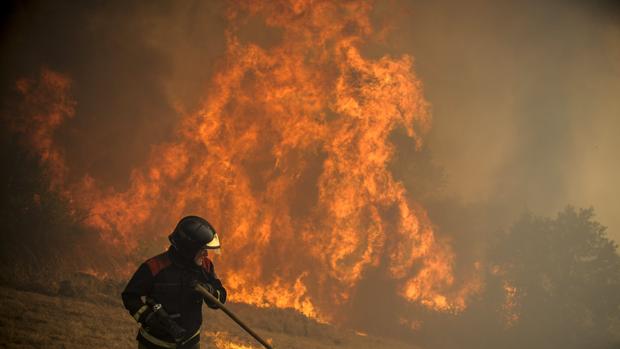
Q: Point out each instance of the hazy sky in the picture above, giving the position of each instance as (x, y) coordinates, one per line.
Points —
(525, 98)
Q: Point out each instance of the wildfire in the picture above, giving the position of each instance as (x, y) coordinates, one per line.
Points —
(510, 307)
(287, 157)
(222, 341)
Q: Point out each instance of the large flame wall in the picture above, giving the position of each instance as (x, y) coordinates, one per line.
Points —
(287, 157)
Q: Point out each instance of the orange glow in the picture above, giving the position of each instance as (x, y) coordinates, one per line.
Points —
(288, 158)
(222, 341)
(510, 308)
(47, 104)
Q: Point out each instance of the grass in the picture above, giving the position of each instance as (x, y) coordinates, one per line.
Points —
(88, 314)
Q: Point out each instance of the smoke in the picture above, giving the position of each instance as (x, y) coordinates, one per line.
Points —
(525, 100)
(525, 103)
(133, 68)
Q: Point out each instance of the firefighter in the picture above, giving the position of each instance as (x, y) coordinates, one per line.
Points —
(161, 297)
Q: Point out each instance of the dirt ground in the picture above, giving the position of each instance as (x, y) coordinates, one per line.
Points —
(35, 320)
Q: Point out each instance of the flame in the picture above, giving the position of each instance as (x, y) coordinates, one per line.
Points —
(414, 325)
(222, 341)
(288, 158)
(511, 305)
(47, 104)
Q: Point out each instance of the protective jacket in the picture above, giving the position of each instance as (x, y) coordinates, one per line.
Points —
(168, 279)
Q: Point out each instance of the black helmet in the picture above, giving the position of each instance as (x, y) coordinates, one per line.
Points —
(193, 233)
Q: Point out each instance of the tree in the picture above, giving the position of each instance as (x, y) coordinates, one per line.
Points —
(565, 274)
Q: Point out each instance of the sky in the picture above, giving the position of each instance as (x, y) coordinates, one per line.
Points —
(525, 100)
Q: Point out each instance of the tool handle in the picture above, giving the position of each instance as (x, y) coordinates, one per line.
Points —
(203, 290)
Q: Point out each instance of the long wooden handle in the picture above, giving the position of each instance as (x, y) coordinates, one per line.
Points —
(200, 288)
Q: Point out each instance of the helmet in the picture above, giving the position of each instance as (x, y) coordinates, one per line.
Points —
(192, 234)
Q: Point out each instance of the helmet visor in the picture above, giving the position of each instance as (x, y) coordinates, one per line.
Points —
(214, 244)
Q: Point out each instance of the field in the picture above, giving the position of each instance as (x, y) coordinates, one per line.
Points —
(86, 314)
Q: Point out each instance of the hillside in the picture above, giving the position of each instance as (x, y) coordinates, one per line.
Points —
(97, 320)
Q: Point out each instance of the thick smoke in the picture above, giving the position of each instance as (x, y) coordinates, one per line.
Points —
(134, 66)
(525, 100)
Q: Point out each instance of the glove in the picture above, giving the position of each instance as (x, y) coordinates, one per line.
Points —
(148, 319)
(209, 288)
(221, 294)
(157, 317)
(217, 291)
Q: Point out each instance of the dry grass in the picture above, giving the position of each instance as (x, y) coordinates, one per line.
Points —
(98, 320)
(33, 320)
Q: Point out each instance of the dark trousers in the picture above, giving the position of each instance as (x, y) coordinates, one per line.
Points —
(197, 346)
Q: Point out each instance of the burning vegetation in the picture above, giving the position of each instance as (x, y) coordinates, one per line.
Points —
(287, 155)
